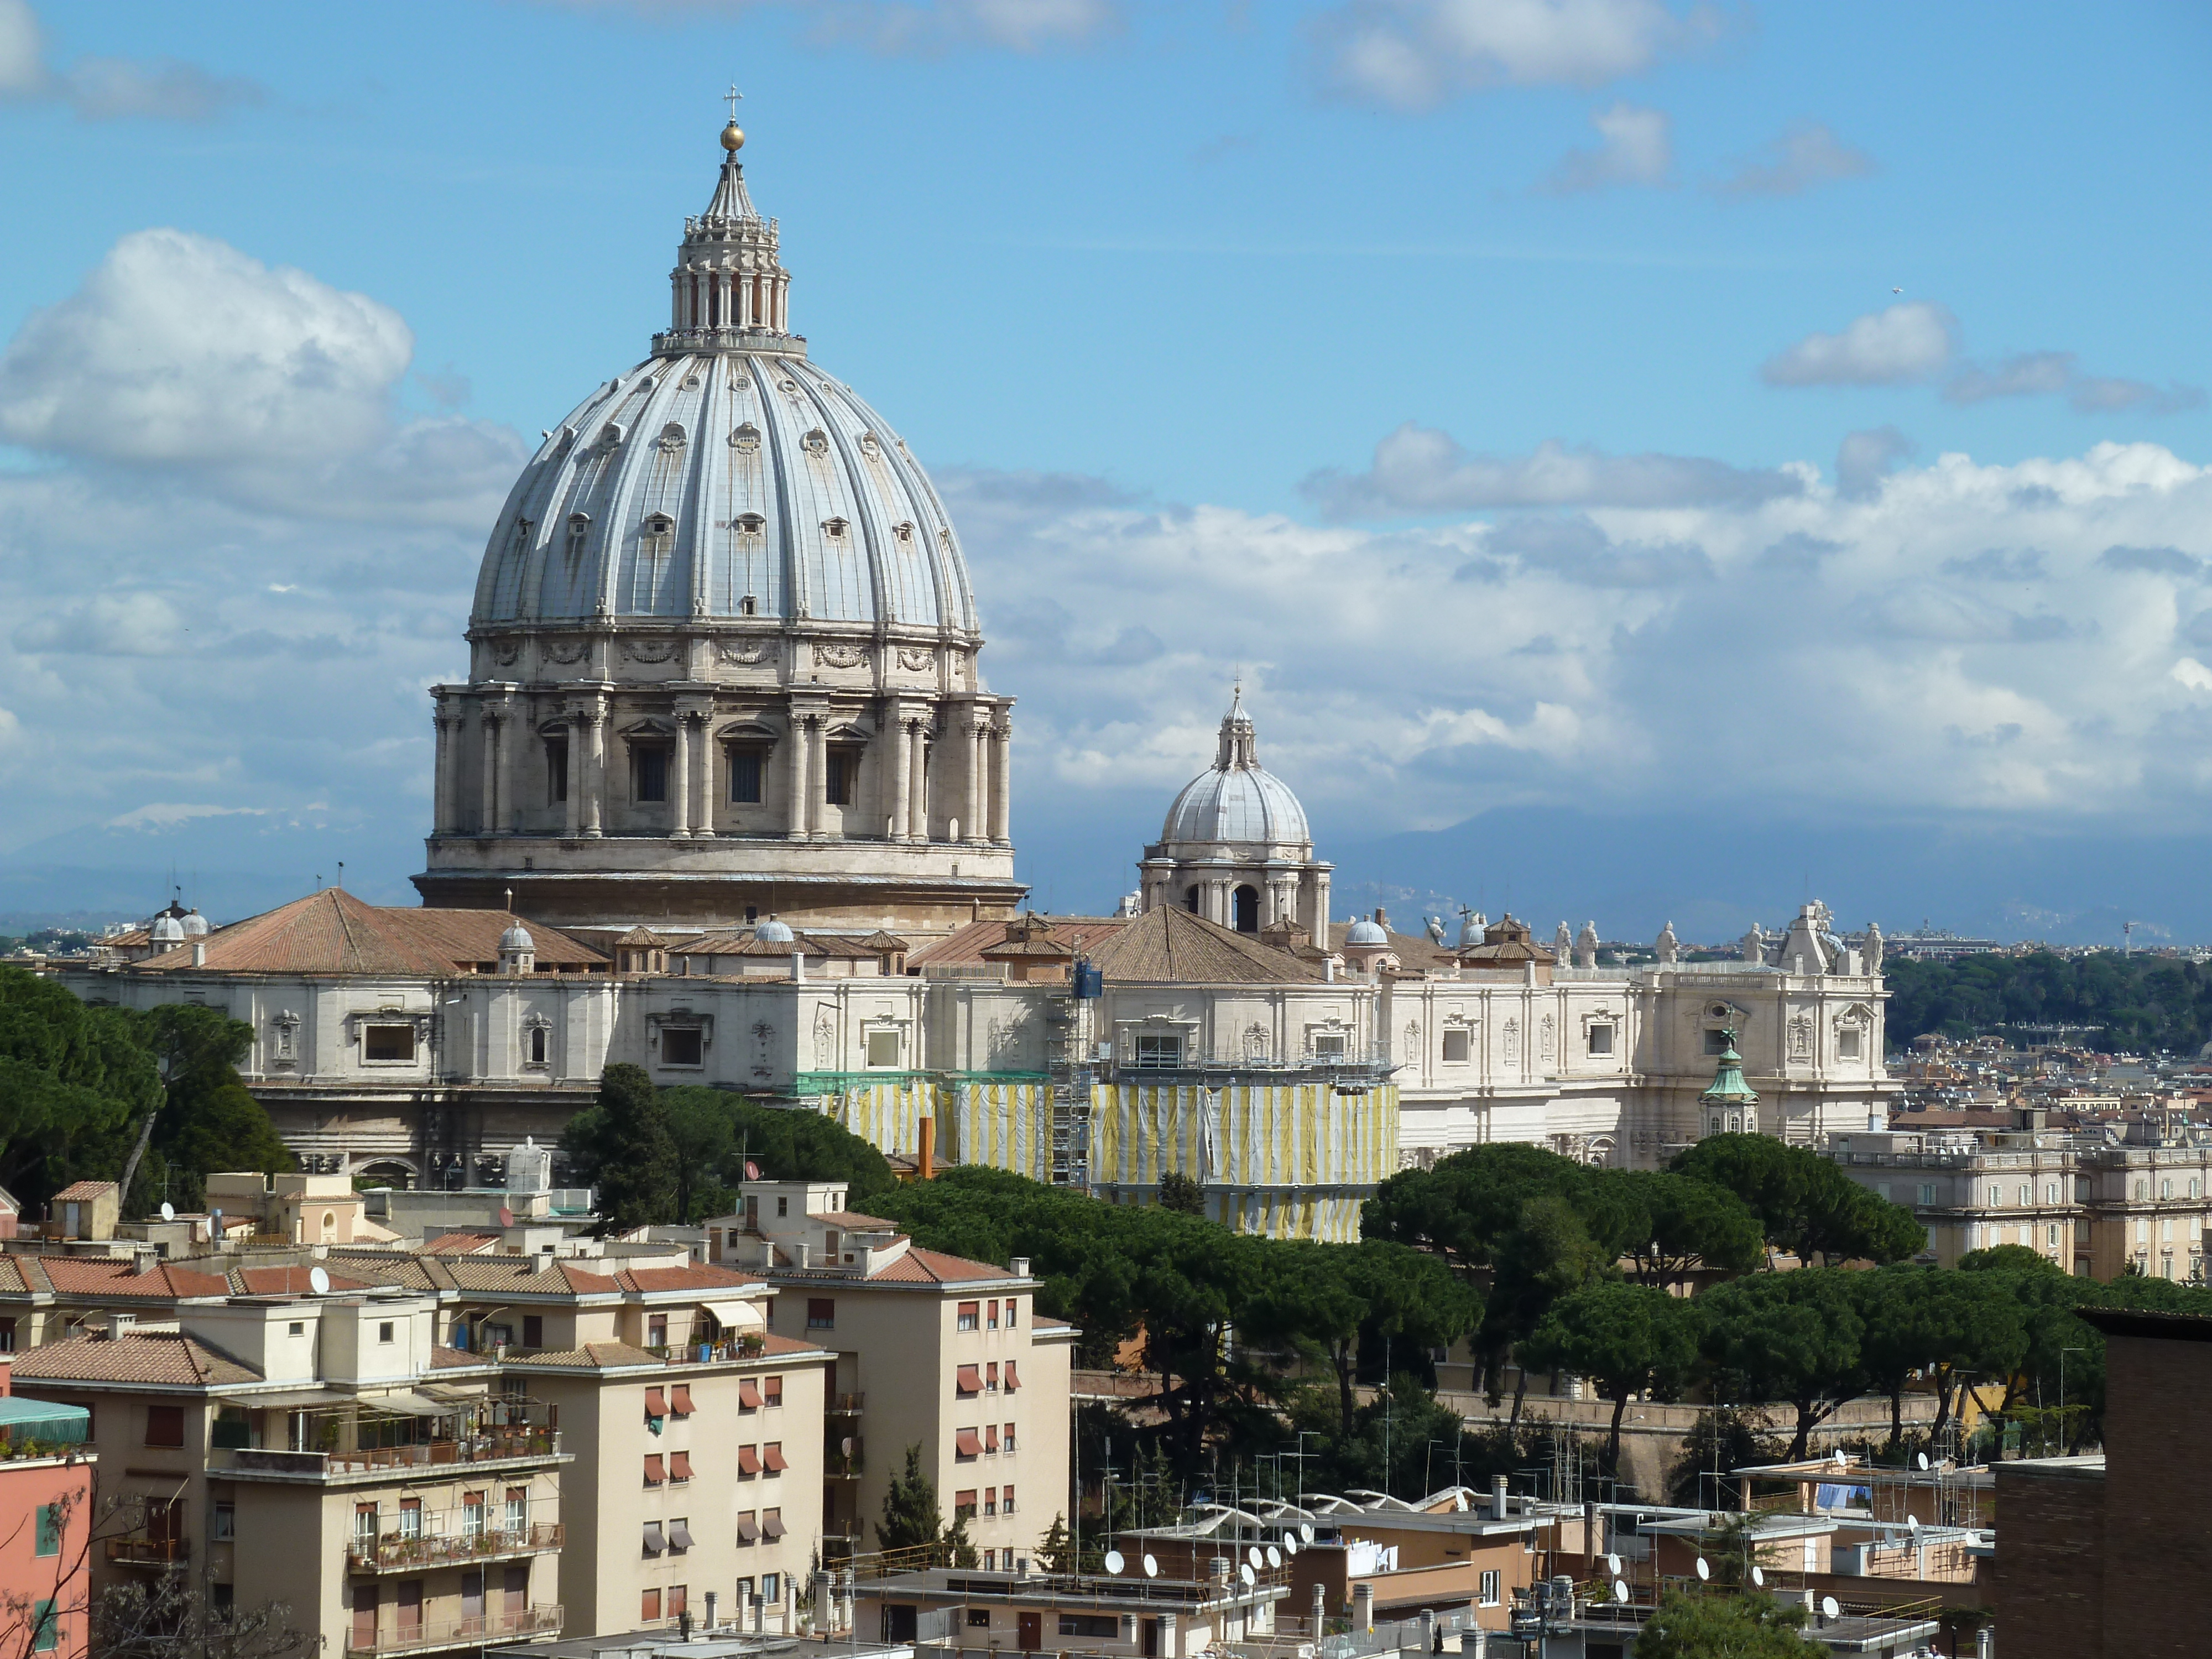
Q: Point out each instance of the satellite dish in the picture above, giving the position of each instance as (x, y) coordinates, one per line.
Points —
(1305, 1532)
(1758, 1578)
(1151, 1568)
(846, 1445)
(1923, 1460)
(1248, 1576)
(1619, 1590)
(1290, 1544)
(1828, 1608)
(1113, 1561)
(1275, 1556)
(1613, 1565)
(1912, 1523)
(1252, 1557)
(1843, 1462)
(168, 1211)
(318, 1281)
(1704, 1572)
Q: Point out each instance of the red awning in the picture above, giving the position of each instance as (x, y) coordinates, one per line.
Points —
(970, 1380)
(773, 1457)
(749, 1394)
(968, 1443)
(748, 1460)
(679, 1466)
(1012, 1382)
(653, 1476)
(656, 1402)
(683, 1400)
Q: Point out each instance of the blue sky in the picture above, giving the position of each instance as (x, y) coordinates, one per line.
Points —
(1530, 395)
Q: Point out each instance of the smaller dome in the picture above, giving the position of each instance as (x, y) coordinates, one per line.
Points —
(168, 930)
(1366, 930)
(517, 938)
(773, 932)
(1237, 800)
(195, 925)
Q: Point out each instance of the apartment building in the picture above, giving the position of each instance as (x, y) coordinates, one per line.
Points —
(47, 1475)
(323, 1452)
(2099, 1208)
(932, 1351)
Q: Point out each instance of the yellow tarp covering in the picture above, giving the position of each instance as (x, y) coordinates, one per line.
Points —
(887, 1115)
(1000, 1126)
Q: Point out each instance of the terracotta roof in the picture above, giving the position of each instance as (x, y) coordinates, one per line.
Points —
(70, 1276)
(644, 936)
(852, 1219)
(334, 932)
(880, 940)
(514, 1274)
(286, 1281)
(460, 1243)
(1169, 945)
(964, 946)
(444, 1359)
(920, 1266)
(147, 1357)
(772, 1343)
(11, 1277)
(693, 1277)
(391, 1267)
(601, 1355)
(78, 1192)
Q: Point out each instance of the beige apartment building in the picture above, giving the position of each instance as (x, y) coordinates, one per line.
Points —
(323, 1452)
(931, 1350)
(2098, 1210)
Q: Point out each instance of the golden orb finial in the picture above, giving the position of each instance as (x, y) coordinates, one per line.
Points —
(733, 138)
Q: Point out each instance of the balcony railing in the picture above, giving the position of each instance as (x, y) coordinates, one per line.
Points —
(141, 1552)
(451, 1549)
(843, 1405)
(427, 1636)
(496, 1445)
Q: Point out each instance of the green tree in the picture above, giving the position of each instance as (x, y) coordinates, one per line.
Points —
(1627, 1338)
(1690, 1226)
(1793, 1337)
(208, 1122)
(1805, 1203)
(959, 1549)
(911, 1517)
(1545, 1254)
(1056, 1553)
(1717, 1625)
(1720, 1442)
(702, 1130)
(1179, 1193)
(74, 1080)
(622, 1146)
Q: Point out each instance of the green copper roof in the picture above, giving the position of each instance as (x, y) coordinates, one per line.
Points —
(1728, 1087)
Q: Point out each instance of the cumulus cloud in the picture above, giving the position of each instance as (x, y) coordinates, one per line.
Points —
(1910, 341)
(2057, 373)
(1635, 147)
(1805, 157)
(1864, 459)
(1414, 54)
(2152, 561)
(180, 348)
(112, 88)
(1418, 470)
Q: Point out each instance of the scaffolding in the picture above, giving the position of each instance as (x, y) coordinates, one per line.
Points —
(1071, 1069)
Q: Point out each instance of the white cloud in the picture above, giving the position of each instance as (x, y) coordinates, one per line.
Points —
(2056, 373)
(1910, 341)
(2193, 674)
(108, 625)
(1805, 157)
(159, 816)
(1864, 459)
(179, 348)
(1635, 147)
(112, 88)
(1418, 470)
(1414, 54)
(1953, 640)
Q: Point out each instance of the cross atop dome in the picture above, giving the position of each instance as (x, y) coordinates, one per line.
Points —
(729, 288)
(1240, 747)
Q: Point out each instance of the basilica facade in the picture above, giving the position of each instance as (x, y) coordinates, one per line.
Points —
(724, 795)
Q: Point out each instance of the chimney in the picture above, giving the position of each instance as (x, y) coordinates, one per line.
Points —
(120, 1324)
(926, 1157)
(1021, 1267)
(199, 953)
(1500, 1505)
(798, 967)
(710, 1610)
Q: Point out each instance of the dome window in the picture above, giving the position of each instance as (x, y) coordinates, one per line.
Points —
(672, 438)
(817, 442)
(834, 529)
(748, 606)
(747, 440)
(656, 530)
(580, 530)
(868, 446)
(611, 434)
(904, 532)
(749, 523)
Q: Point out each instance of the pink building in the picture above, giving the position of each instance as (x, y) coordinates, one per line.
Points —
(46, 1524)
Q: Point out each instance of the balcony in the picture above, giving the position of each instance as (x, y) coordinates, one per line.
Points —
(140, 1551)
(394, 1554)
(843, 1405)
(427, 1637)
(495, 1446)
(845, 1466)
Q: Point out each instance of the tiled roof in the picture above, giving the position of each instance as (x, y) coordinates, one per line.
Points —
(334, 932)
(445, 1360)
(852, 1219)
(78, 1192)
(920, 1266)
(460, 1243)
(146, 1358)
(600, 1355)
(965, 945)
(1169, 945)
(286, 1281)
(519, 1275)
(693, 1277)
(71, 1276)
(391, 1267)
(772, 1343)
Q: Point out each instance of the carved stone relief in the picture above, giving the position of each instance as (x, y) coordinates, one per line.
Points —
(737, 654)
(565, 650)
(650, 650)
(916, 659)
(839, 656)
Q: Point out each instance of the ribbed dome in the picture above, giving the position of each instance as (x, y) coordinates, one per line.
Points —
(1238, 799)
(517, 938)
(194, 924)
(168, 930)
(1366, 930)
(693, 484)
(773, 932)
